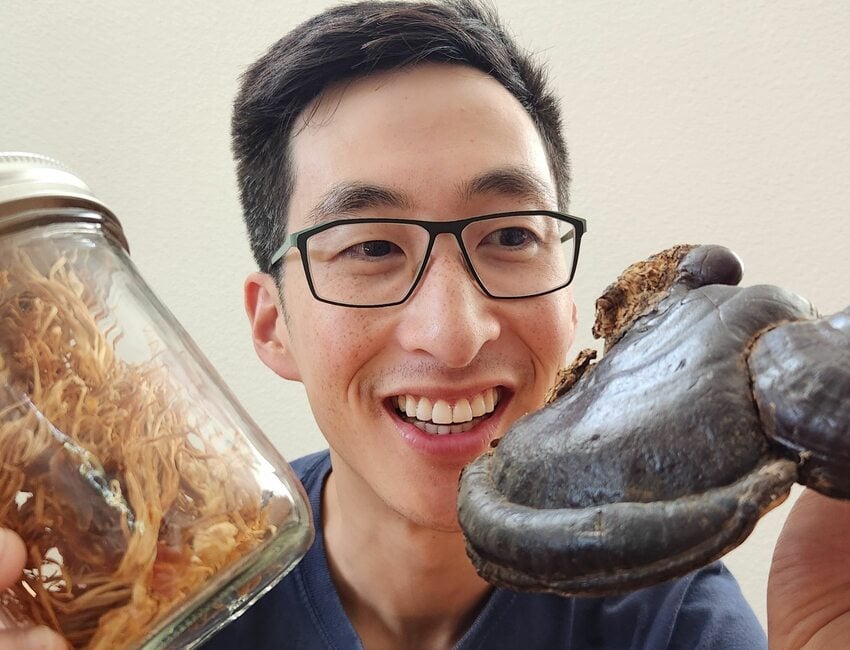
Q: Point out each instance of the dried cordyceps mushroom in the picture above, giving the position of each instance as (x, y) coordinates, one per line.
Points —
(128, 500)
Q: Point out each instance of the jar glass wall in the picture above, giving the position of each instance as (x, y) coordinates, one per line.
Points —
(152, 508)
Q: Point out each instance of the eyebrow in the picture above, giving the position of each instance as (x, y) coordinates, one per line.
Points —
(350, 197)
(514, 182)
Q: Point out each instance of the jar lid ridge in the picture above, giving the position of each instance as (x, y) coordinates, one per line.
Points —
(29, 181)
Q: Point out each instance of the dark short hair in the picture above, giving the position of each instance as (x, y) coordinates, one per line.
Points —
(355, 40)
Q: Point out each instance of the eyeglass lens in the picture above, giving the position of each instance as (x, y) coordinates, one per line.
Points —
(377, 262)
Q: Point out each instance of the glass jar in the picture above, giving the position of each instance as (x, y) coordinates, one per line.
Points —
(152, 508)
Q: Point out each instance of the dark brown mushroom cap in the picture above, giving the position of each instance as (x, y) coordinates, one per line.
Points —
(801, 382)
(666, 413)
(652, 462)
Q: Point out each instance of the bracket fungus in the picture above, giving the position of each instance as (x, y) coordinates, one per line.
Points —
(710, 401)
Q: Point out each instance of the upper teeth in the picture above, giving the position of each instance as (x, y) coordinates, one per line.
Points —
(442, 412)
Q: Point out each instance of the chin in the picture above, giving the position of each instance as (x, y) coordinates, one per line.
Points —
(439, 514)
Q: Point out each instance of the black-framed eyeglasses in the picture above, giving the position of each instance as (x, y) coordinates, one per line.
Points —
(371, 262)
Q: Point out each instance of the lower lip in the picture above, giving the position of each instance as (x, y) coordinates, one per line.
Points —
(452, 447)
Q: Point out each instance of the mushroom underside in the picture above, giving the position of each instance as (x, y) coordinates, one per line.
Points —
(613, 547)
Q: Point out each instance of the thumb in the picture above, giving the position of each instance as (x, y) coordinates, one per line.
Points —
(12, 557)
(32, 638)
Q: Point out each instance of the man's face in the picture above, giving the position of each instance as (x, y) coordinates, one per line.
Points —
(438, 142)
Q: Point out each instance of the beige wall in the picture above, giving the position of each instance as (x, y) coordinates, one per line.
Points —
(723, 121)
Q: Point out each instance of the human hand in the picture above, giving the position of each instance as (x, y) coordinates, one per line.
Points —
(808, 595)
(12, 559)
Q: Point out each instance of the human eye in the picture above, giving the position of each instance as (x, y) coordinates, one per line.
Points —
(508, 239)
(355, 241)
(371, 248)
(511, 237)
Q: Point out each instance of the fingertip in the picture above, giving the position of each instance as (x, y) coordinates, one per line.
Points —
(13, 555)
(47, 639)
(33, 638)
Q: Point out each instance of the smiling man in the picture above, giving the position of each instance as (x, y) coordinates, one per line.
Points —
(393, 386)
(402, 168)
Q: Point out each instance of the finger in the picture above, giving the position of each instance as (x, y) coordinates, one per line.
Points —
(32, 638)
(12, 557)
(710, 264)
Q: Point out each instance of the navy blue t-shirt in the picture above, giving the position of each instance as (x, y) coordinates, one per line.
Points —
(702, 610)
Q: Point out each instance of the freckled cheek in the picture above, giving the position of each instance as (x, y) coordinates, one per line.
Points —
(548, 332)
(346, 344)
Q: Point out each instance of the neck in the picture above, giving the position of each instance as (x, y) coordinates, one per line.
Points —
(402, 584)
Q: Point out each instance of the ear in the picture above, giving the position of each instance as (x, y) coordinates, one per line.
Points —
(268, 325)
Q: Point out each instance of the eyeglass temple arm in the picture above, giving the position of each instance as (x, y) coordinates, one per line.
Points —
(288, 243)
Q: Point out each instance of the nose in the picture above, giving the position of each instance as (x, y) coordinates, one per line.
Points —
(448, 316)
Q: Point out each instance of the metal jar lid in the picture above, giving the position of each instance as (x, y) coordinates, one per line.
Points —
(31, 184)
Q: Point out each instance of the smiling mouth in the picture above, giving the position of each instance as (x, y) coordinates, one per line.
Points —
(442, 417)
